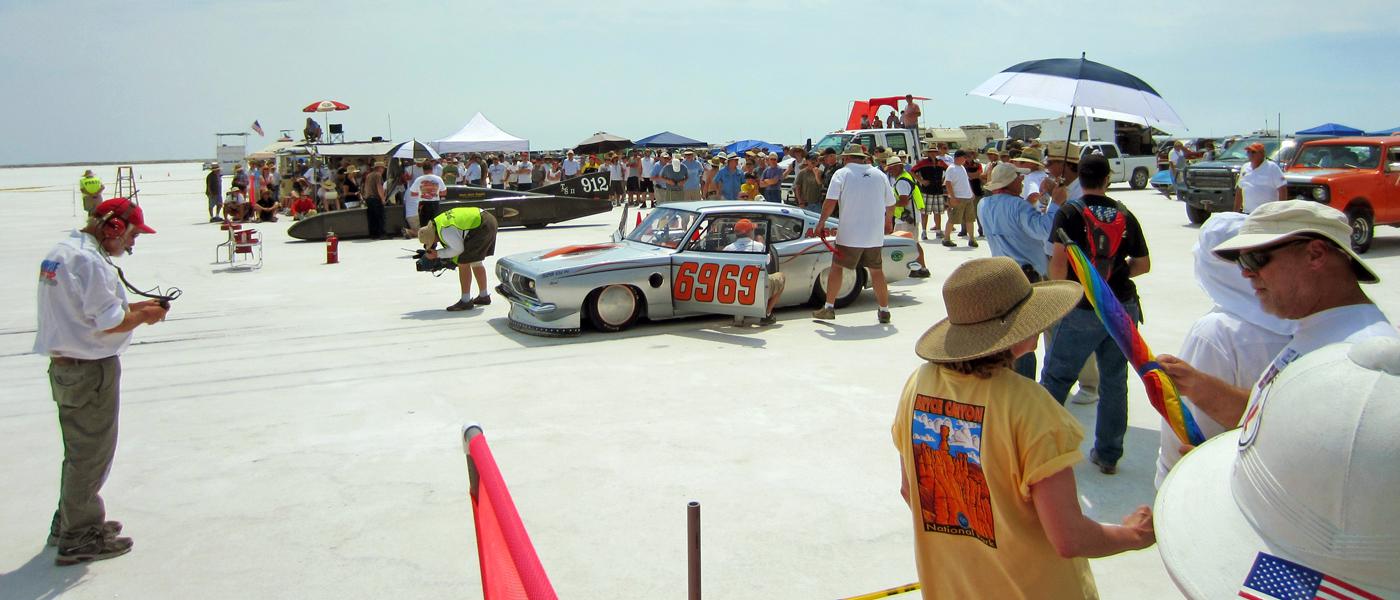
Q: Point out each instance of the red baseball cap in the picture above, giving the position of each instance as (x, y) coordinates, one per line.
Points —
(743, 226)
(126, 210)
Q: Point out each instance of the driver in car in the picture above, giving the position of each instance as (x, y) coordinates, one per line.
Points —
(744, 241)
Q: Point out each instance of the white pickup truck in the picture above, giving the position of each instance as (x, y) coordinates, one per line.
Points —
(1136, 171)
(894, 139)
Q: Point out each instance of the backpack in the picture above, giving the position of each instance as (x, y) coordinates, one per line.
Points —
(1105, 228)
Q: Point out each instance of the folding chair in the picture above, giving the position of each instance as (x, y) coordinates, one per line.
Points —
(240, 241)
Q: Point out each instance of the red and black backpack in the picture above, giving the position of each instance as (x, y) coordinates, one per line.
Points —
(1105, 228)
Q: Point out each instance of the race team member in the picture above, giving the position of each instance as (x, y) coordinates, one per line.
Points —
(744, 242)
(468, 235)
(85, 323)
(91, 187)
(866, 200)
(908, 208)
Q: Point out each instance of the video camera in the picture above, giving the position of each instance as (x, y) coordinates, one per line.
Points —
(422, 263)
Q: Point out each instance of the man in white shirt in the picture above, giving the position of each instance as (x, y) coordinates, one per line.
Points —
(571, 165)
(426, 188)
(473, 176)
(1297, 256)
(1176, 159)
(524, 173)
(1260, 181)
(961, 209)
(866, 200)
(85, 324)
(497, 171)
(648, 190)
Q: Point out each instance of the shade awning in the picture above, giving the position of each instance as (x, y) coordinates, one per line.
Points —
(480, 135)
(354, 149)
(1331, 129)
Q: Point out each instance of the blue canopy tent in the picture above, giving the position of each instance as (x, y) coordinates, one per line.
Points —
(1391, 131)
(1331, 129)
(746, 145)
(667, 139)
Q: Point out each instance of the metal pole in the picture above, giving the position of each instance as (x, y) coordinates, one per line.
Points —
(693, 546)
(469, 432)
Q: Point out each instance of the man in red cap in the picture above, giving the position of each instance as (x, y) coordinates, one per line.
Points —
(1260, 181)
(85, 323)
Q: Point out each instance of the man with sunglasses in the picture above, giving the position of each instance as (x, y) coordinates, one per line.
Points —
(1297, 256)
(1260, 181)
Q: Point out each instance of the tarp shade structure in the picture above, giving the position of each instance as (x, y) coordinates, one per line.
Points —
(510, 568)
(746, 145)
(602, 142)
(667, 139)
(1082, 87)
(870, 108)
(481, 135)
(355, 149)
(1391, 131)
(1331, 129)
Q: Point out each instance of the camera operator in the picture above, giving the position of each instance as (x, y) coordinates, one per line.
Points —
(85, 323)
(468, 236)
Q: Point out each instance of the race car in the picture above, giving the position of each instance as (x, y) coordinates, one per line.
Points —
(683, 259)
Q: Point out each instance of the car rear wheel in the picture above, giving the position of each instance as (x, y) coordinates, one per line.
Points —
(1196, 214)
(1140, 179)
(1363, 228)
(851, 285)
(614, 308)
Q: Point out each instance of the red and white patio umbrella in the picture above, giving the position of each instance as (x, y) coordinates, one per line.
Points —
(325, 106)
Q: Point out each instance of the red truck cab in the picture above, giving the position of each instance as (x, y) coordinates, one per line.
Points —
(1359, 176)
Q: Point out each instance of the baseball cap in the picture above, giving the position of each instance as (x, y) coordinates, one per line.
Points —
(1304, 492)
(1255, 147)
(1276, 221)
(743, 226)
(124, 209)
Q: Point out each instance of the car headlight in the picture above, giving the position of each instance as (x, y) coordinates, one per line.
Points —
(1320, 194)
(526, 285)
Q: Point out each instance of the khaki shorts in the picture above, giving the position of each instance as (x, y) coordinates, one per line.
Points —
(850, 257)
(958, 209)
(776, 283)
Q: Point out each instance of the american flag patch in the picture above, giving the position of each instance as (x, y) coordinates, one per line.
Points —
(1273, 578)
(48, 271)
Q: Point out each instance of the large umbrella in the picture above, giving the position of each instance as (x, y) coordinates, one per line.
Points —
(602, 142)
(412, 150)
(325, 106)
(1332, 129)
(1078, 85)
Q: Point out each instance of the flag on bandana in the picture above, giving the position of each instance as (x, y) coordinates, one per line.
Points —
(258, 128)
(1273, 578)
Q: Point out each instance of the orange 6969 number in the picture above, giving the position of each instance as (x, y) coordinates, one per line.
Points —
(709, 282)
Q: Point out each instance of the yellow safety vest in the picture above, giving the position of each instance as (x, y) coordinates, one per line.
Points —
(918, 196)
(465, 218)
(90, 185)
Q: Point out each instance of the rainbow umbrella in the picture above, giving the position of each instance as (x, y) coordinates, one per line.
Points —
(1161, 392)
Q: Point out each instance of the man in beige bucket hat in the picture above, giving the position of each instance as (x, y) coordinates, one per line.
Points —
(987, 455)
(1297, 256)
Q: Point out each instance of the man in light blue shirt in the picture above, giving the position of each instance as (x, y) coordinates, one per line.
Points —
(694, 170)
(729, 178)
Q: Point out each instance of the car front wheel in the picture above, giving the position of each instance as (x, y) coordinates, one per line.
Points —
(1363, 228)
(614, 308)
(1139, 180)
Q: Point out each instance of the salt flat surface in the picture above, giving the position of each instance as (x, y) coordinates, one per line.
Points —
(293, 432)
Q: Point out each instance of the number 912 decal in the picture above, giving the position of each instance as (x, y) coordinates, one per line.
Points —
(709, 282)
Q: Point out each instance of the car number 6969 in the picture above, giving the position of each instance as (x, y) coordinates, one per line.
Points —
(709, 282)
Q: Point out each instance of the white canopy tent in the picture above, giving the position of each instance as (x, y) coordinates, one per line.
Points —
(480, 135)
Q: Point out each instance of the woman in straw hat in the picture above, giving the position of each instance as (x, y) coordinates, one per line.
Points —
(987, 455)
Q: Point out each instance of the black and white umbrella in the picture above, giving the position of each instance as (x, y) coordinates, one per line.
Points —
(1078, 85)
(412, 150)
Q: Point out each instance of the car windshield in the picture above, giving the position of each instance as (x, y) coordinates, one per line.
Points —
(664, 227)
(1337, 156)
(835, 141)
(1236, 150)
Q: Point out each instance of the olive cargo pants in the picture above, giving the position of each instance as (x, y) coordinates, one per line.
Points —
(87, 394)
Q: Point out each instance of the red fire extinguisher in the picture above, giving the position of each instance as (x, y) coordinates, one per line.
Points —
(332, 248)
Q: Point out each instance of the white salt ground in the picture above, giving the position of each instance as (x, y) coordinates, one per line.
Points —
(292, 432)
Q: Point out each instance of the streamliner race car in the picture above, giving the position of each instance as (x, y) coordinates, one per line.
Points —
(681, 261)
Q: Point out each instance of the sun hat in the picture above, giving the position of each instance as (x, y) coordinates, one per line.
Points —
(893, 160)
(991, 307)
(1276, 221)
(855, 150)
(991, 151)
(427, 235)
(1030, 155)
(124, 209)
(1058, 151)
(1003, 174)
(1304, 493)
(327, 185)
(743, 226)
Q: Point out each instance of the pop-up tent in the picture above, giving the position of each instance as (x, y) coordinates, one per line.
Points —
(480, 135)
(667, 139)
(1391, 131)
(1332, 129)
(746, 145)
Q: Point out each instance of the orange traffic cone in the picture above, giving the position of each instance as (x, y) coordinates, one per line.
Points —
(639, 219)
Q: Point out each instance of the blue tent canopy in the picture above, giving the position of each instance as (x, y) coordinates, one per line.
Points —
(1391, 131)
(1331, 129)
(746, 145)
(667, 139)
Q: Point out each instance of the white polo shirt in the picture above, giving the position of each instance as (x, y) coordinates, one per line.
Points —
(863, 192)
(80, 297)
(1260, 185)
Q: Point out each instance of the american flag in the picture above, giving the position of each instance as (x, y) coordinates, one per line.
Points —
(258, 128)
(1273, 578)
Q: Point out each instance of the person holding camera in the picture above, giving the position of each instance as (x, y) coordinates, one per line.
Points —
(468, 235)
(85, 324)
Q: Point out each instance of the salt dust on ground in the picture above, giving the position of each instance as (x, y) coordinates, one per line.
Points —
(294, 431)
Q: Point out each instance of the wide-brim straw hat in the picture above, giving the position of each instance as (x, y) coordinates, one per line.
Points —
(992, 307)
(427, 235)
(855, 150)
(1030, 155)
(1063, 152)
(328, 185)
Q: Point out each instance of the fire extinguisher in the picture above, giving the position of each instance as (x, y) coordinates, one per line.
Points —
(332, 248)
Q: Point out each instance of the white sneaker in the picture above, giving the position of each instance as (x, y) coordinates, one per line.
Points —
(1084, 396)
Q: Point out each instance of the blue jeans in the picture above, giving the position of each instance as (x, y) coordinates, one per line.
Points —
(1077, 336)
(1025, 366)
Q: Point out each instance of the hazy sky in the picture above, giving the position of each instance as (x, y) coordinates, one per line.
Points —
(142, 80)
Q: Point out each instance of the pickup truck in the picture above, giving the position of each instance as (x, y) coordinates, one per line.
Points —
(1136, 171)
(1209, 187)
(1359, 176)
(894, 139)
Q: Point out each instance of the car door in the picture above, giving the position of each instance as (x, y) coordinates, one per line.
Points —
(718, 272)
(1388, 206)
(1115, 162)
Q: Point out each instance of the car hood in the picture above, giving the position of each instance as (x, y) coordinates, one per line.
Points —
(1233, 165)
(1314, 175)
(579, 258)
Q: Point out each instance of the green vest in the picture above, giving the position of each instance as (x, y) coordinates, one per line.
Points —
(917, 195)
(90, 185)
(465, 218)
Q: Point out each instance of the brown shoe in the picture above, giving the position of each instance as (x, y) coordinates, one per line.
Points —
(482, 300)
(109, 529)
(461, 305)
(95, 547)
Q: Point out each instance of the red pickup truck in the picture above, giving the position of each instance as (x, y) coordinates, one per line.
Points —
(1359, 176)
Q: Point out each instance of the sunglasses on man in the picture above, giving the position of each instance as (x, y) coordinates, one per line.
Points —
(1258, 259)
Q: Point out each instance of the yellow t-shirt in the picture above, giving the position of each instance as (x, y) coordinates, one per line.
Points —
(971, 450)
